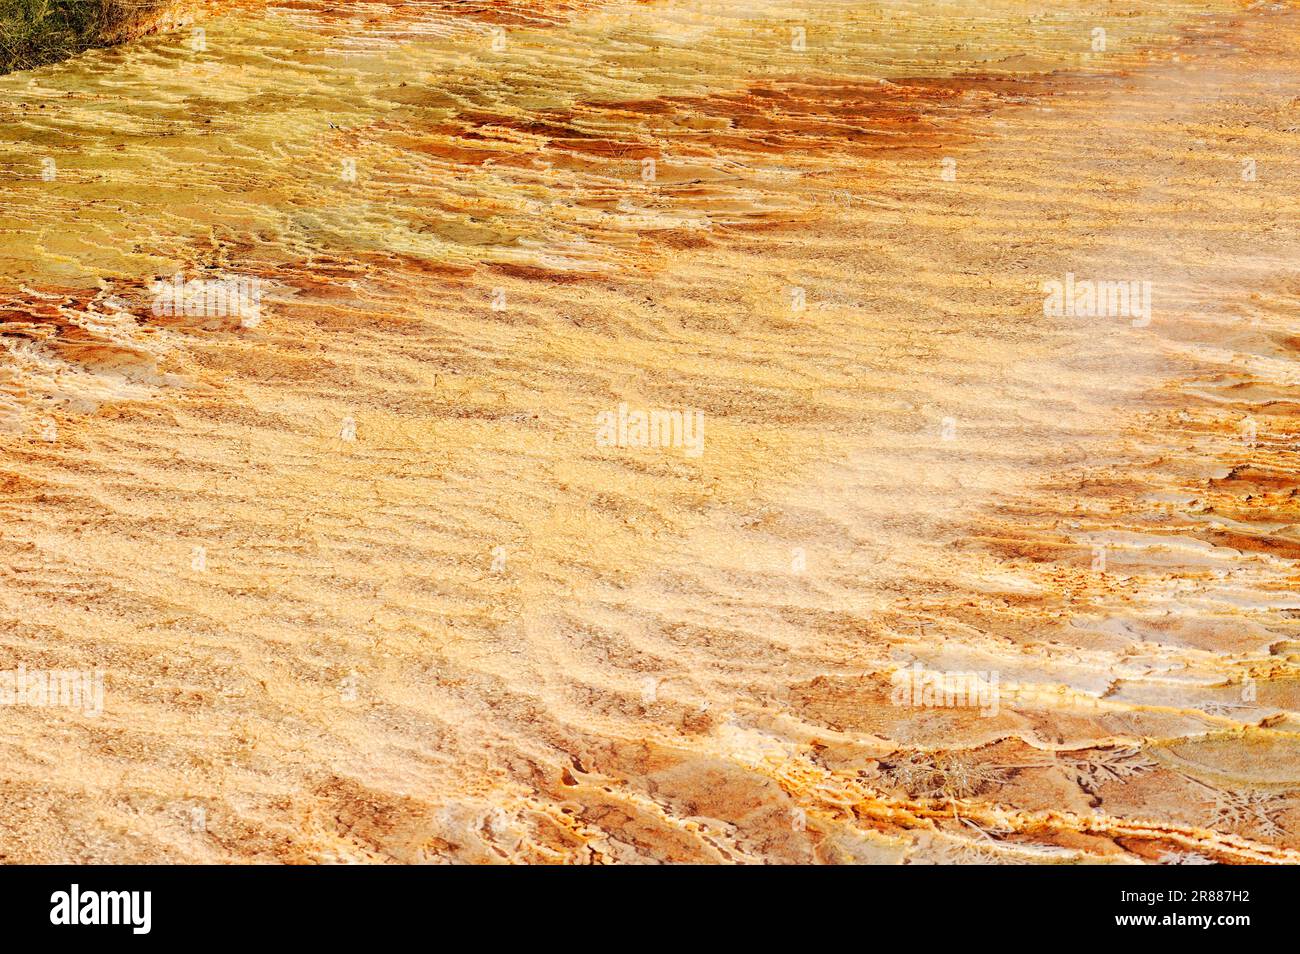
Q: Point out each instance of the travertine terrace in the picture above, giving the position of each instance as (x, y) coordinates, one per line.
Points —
(364, 585)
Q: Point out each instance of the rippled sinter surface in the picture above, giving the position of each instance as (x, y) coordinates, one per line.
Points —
(471, 633)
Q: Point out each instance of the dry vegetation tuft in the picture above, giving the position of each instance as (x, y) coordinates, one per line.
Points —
(33, 32)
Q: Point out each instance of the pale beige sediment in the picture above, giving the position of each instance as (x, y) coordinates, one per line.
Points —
(506, 714)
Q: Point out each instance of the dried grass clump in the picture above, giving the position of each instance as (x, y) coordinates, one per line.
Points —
(33, 32)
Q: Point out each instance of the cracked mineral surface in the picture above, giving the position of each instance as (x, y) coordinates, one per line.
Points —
(311, 314)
